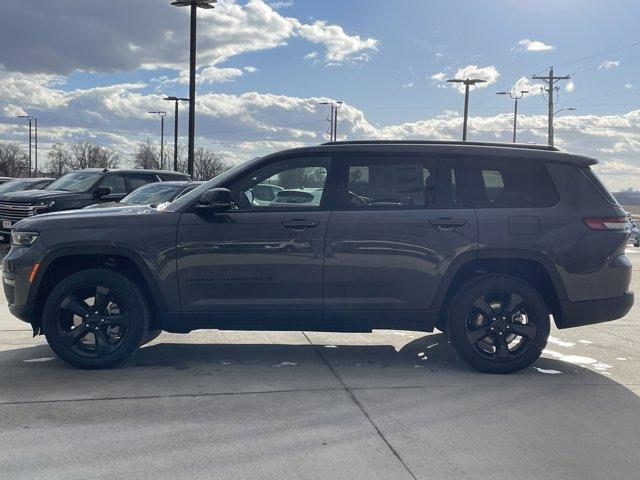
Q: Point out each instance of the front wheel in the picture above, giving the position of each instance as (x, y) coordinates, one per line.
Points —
(95, 319)
(499, 324)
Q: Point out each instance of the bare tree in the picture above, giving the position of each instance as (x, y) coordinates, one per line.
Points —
(146, 156)
(87, 154)
(208, 164)
(59, 160)
(13, 160)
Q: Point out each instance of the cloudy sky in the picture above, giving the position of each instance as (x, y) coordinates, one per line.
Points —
(92, 69)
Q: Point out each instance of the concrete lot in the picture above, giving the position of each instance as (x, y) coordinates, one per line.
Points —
(308, 405)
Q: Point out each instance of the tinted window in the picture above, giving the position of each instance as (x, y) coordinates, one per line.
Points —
(115, 183)
(296, 183)
(137, 180)
(152, 194)
(168, 176)
(398, 183)
(514, 183)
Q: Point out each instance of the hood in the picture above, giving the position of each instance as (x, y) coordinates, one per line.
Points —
(105, 205)
(97, 218)
(36, 195)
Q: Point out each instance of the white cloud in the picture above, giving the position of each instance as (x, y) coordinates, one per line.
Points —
(121, 35)
(570, 87)
(438, 77)
(340, 46)
(408, 85)
(629, 86)
(312, 56)
(524, 83)
(533, 45)
(608, 64)
(490, 74)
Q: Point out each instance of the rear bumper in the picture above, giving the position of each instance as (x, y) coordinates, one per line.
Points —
(575, 314)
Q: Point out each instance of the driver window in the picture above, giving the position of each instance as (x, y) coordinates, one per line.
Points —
(292, 184)
(116, 183)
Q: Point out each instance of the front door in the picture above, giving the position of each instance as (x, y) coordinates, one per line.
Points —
(266, 255)
(398, 223)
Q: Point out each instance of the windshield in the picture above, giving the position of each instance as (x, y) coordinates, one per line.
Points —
(75, 182)
(152, 194)
(14, 186)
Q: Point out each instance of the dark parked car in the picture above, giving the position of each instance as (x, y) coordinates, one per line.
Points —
(152, 194)
(21, 184)
(6, 179)
(77, 190)
(483, 241)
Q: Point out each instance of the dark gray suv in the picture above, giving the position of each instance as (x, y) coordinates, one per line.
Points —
(483, 241)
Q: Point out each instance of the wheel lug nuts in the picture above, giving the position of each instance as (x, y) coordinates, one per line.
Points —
(87, 325)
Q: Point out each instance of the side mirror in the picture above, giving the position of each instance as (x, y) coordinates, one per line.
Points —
(101, 192)
(216, 200)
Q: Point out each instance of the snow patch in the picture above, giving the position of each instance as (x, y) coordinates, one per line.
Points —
(561, 343)
(576, 359)
(547, 371)
(38, 360)
(287, 364)
(585, 342)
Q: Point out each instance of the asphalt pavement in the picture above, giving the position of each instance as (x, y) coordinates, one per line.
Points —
(304, 405)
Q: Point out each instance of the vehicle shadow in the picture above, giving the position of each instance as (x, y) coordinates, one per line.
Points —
(170, 366)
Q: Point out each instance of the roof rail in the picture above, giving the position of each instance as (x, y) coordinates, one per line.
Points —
(446, 142)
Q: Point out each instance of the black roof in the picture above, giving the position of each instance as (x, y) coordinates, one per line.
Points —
(512, 151)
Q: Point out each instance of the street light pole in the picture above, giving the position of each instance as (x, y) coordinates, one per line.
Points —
(194, 4)
(162, 115)
(467, 82)
(30, 119)
(35, 168)
(175, 130)
(515, 112)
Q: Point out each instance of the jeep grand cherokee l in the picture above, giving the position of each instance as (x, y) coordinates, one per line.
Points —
(77, 190)
(484, 241)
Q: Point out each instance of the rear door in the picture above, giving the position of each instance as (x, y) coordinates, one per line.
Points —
(399, 222)
(137, 180)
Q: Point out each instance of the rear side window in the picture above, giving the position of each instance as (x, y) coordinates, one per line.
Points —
(507, 184)
(168, 176)
(137, 180)
(595, 180)
(396, 182)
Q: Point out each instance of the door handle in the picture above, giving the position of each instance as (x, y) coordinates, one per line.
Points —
(300, 224)
(448, 222)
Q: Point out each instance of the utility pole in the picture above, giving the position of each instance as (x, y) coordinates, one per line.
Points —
(333, 120)
(551, 89)
(468, 82)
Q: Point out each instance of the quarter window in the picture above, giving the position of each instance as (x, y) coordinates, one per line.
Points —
(517, 183)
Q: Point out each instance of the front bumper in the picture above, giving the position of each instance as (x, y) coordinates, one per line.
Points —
(576, 314)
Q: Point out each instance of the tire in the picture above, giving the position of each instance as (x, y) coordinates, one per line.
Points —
(636, 244)
(110, 336)
(496, 312)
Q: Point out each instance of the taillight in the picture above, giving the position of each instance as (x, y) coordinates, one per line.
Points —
(607, 223)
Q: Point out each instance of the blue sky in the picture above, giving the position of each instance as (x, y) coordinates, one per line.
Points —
(93, 70)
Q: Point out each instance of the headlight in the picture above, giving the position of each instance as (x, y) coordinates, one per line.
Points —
(23, 239)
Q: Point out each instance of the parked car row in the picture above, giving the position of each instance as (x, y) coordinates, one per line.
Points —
(22, 198)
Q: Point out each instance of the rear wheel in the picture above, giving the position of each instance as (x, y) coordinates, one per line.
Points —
(499, 324)
(95, 319)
